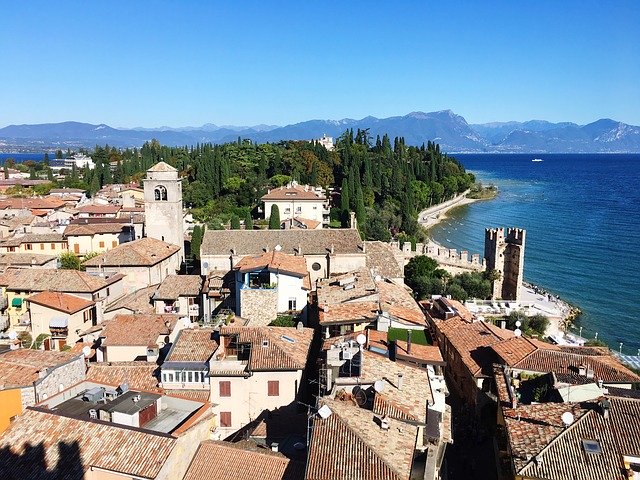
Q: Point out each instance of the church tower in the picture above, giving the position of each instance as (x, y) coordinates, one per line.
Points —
(163, 205)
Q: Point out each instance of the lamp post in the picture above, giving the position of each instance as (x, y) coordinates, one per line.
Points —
(596, 335)
(621, 348)
(580, 334)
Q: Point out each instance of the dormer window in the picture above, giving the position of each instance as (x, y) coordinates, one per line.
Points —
(160, 193)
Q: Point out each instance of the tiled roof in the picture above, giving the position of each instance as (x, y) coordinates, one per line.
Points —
(14, 258)
(23, 366)
(427, 353)
(565, 366)
(41, 279)
(513, 350)
(33, 202)
(307, 222)
(460, 309)
(350, 444)
(311, 242)
(274, 262)
(354, 312)
(360, 286)
(93, 229)
(60, 301)
(129, 451)
(280, 354)
(33, 238)
(294, 192)
(398, 302)
(99, 209)
(162, 167)
(144, 252)
(136, 302)
(241, 461)
(193, 345)
(472, 342)
(381, 258)
(201, 395)
(139, 375)
(174, 286)
(124, 330)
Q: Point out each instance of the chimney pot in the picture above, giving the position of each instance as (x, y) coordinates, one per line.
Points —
(408, 341)
(400, 375)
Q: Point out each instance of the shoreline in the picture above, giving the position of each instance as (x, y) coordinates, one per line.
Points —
(568, 313)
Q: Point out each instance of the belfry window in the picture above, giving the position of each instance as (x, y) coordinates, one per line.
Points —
(160, 193)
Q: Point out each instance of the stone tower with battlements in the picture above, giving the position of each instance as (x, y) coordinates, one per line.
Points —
(163, 205)
(505, 254)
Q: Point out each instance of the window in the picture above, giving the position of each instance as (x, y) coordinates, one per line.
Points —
(287, 211)
(292, 304)
(53, 246)
(28, 246)
(170, 377)
(42, 246)
(273, 388)
(87, 315)
(160, 193)
(101, 244)
(11, 249)
(225, 419)
(225, 389)
(298, 209)
(316, 266)
(190, 377)
(114, 244)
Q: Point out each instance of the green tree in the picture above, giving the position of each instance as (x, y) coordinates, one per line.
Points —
(196, 240)
(32, 173)
(360, 212)
(235, 222)
(274, 218)
(6, 171)
(69, 261)
(248, 221)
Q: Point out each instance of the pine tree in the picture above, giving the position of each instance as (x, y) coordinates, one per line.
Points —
(274, 218)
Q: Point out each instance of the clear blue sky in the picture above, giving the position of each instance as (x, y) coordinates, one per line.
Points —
(241, 62)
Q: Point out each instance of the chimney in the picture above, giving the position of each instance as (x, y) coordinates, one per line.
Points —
(299, 249)
(582, 370)
(408, 341)
(399, 384)
(605, 405)
(384, 423)
(332, 248)
(274, 447)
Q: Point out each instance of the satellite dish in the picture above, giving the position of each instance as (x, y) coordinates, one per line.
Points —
(361, 339)
(205, 265)
(517, 332)
(378, 386)
(361, 397)
(324, 412)
(86, 351)
(13, 335)
(277, 248)
(567, 418)
(518, 323)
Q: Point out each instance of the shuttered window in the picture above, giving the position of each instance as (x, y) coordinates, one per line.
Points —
(225, 419)
(225, 389)
(273, 388)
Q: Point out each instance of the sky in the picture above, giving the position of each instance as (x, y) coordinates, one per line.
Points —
(244, 62)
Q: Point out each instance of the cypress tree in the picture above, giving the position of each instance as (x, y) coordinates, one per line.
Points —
(235, 222)
(360, 212)
(248, 222)
(274, 218)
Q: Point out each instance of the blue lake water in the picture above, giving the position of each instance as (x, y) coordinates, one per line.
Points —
(583, 230)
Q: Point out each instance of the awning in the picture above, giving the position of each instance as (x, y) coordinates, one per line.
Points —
(16, 302)
(59, 322)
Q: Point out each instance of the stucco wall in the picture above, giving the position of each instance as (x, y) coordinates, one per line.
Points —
(311, 209)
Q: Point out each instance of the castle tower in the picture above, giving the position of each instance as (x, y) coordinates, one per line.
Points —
(506, 256)
(163, 205)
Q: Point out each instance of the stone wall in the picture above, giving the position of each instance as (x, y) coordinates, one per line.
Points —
(259, 306)
(55, 380)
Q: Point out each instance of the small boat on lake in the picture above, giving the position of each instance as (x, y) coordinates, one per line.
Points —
(537, 160)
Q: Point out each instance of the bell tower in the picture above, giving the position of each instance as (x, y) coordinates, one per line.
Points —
(163, 205)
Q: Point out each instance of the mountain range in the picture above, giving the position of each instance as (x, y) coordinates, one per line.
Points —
(451, 131)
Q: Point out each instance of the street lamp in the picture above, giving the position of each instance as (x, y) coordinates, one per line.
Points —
(596, 335)
(621, 348)
(580, 334)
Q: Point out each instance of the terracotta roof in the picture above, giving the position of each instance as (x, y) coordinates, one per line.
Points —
(196, 395)
(162, 167)
(311, 242)
(565, 366)
(14, 258)
(139, 375)
(512, 350)
(241, 461)
(33, 238)
(67, 190)
(305, 222)
(460, 309)
(357, 285)
(107, 446)
(294, 192)
(279, 354)
(382, 259)
(60, 301)
(22, 367)
(192, 345)
(352, 312)
(144, 252)
(41, 279)
(136, 302)
(274, 262)
(427, 353)
(99, 209)
(350, 444)
(46, 203)
(471, 341)
(144, 330)
(397, 301)
(90, 229)
(174, 286)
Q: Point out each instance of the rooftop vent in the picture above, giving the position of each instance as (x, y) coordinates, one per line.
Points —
(265, 343)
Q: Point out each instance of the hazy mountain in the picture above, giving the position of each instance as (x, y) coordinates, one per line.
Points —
(451, 131)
